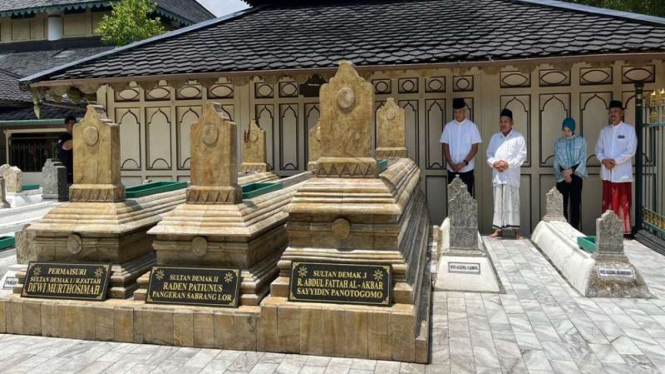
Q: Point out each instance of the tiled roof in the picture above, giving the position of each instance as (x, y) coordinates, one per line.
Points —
(381, 32)
(9, 89)
(46, 112)
(189, 10)
(18, 60)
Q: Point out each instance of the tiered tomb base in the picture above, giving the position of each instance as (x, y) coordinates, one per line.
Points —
(249, 236)
(103, 232)
(357, 221)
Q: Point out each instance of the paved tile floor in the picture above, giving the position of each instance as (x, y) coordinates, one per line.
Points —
(541, 325)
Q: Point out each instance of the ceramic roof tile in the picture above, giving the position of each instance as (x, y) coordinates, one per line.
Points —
(317, 35)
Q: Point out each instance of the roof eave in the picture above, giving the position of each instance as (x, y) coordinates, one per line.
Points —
(26, 82)
(555, 60)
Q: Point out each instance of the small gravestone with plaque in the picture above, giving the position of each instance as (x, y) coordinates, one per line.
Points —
(465, 264)
(613, 275)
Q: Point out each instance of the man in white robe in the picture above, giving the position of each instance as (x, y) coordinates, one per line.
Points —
(505, 154)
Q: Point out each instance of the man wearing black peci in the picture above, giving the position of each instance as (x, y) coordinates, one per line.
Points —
(461, 139)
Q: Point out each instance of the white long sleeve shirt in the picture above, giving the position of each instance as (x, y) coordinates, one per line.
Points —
(510, 148)
(460, 137)
(618, 143)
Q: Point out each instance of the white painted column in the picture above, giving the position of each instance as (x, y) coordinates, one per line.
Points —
(55, 28)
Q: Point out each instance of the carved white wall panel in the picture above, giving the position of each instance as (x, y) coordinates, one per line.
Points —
(553, 77)
(289, 142)
(189, 92)
(265, 117)
(158, 135)
(514, 79)
(435, 192)
(645, 74)
(130, 138)
(435, 85)
(554, 108)
(411, 126)
(186, 118)
(221, 91)
(595, 76)
(593, 108)
(312, 115)
(435, 112)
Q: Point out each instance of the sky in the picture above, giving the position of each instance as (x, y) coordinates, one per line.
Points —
(222, 7)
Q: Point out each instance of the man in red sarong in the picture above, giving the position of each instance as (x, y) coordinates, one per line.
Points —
(615, 149)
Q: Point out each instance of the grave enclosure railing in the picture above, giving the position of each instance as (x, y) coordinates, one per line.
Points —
(650, 169)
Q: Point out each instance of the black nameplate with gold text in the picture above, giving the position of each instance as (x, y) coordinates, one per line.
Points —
(194, 286)
(53, 280)
(340, 283)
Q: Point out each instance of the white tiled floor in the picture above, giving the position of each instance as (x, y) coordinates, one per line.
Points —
(541, 325)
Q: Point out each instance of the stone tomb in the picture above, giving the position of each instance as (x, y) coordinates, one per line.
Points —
(605, 273)
(465, 264)
(215, 227)
(98, 225)
(54, 179)
(351, 216)
(13, 178)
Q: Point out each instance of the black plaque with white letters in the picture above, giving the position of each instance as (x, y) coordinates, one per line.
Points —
(194, 286)
(72, 281)
(340, 283)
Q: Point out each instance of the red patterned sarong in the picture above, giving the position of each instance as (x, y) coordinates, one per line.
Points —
(618, 198)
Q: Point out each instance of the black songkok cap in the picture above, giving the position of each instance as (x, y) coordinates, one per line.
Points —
(507, 113)
(616, 104)
(458, 103)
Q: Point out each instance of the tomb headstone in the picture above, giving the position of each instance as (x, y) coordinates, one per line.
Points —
(554, 206)
(13, 179)
(391, 131)
(54, 180)
(456, 187)
(463, 222)
(314, 145)
(3, 195)
(254, 150)
(96, 159)
(214, 160)
(609, 237)
(346, 126)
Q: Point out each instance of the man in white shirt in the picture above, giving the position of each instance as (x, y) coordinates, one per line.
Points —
(505, 154)
(460, 140)
(617, 144)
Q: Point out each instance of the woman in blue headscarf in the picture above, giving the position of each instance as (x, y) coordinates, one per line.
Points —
(570, 170)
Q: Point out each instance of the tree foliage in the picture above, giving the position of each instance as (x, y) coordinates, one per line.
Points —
(651, 7)
(130, 21)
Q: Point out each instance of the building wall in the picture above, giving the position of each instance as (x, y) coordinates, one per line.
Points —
(155, 124)
(75, 25)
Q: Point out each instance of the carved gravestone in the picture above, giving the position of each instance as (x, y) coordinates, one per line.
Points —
(314, 146)
(254, 150)
(456, 187)
(214, 162)
(463, 221)
(25, 250)
(609, 238)
(391, 135)
(96, 159)
(554, 206)
(13, 178)
(3, 195)
(346, 103)
(54, 179)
